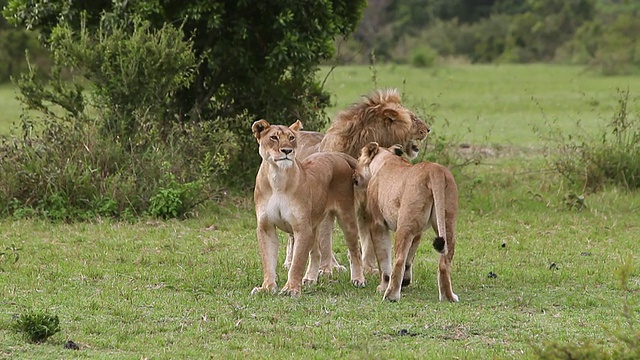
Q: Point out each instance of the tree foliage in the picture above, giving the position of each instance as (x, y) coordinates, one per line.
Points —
(254, 57)
(14, 42)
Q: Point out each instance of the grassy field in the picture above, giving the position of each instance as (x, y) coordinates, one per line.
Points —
(492, 104)
(172, 289)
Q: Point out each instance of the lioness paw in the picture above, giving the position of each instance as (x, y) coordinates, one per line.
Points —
(308, 282)
(391, 296)
(360, 283)
(291, 291)
(371, 270)
(454, 298)
(261, 289)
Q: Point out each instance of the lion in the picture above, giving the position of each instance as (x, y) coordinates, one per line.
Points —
(295, 196)
(380, 117)
(406, 198)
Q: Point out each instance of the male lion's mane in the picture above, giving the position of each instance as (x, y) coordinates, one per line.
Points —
(379, 117)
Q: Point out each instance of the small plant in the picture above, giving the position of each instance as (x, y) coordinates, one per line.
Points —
(173, 199)
(37, 326)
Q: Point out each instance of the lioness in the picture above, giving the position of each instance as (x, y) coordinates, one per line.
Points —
(407, 198)
(381, 117)
(295, 196)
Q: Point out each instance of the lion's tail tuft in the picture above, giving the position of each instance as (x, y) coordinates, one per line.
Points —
(438, 244)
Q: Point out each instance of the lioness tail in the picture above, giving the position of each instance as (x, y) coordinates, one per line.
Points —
(438, 184)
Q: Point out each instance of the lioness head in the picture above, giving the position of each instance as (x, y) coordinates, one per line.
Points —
(277, 142)
(372, 151)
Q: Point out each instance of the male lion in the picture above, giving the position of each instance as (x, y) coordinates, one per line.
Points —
(295, 196)
(379, 117)
(407, 198)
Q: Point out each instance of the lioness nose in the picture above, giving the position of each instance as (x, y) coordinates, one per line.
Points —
(287, 151)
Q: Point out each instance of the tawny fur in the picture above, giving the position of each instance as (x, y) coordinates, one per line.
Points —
(407, 198)
(295, 196)
(380, 117)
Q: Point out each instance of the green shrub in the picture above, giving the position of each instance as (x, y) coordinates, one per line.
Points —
(101, 151)
(37, 326)
(173, 199)
(424, 57)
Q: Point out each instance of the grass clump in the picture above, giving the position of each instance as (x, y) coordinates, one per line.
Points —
(613, 158)
(37, 326)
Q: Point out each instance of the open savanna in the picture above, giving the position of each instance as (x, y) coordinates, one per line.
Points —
(181, 289)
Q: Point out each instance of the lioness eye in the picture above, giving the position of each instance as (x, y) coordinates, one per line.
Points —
(274, 138)
(292, 138)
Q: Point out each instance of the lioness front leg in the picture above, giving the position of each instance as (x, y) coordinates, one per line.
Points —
(304, 240)
(289, 253)
(268, 242)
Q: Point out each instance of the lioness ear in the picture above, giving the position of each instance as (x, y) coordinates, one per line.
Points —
(370, 150)
(397, 149)
(258, 127)
(296, 126)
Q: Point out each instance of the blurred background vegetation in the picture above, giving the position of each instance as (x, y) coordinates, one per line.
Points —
(599, 33)
(144, 107)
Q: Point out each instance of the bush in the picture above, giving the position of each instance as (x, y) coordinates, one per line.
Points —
(424, 57)
(105, 151)
(612, 159)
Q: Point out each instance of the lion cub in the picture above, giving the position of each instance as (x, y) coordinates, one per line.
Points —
(295, 196)
(407, 199)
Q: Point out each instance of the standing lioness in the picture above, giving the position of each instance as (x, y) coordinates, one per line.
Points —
(295, 196)
(407, 198)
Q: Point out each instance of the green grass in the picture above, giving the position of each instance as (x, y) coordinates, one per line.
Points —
(182, 289)
(157, 289)
(10, 106)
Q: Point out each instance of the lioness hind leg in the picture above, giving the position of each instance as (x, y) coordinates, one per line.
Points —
(382, 246)
(444, 280)
(444, 267)
(402, 247)
(311, 276)
(328, 262)
(347, 222)
(408, 268)
(369, 261)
